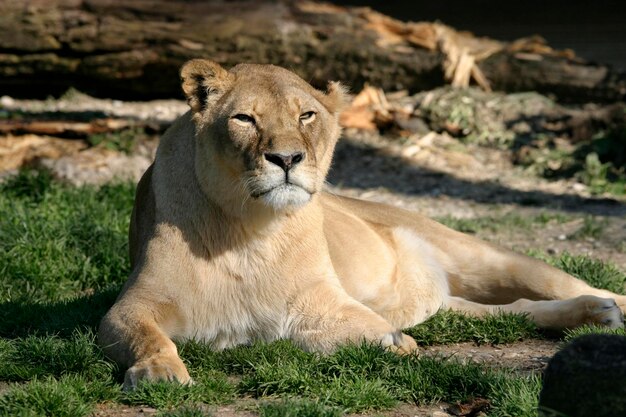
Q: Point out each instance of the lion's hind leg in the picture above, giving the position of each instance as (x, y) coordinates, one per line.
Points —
(421, 285)
(551, 314)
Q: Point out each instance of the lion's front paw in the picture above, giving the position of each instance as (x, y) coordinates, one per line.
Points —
(158, 368)
(399, 343)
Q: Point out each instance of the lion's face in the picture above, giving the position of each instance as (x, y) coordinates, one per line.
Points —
(264, 136)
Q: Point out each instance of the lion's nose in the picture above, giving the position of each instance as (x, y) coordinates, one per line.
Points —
(286, 162)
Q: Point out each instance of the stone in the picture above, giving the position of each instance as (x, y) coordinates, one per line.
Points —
(586, 378)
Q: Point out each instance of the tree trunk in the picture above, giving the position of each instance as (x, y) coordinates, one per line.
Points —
(133, 49)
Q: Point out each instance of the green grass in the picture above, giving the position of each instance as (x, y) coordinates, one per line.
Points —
(299, 408)
(31, 357)
(356, 378)
(362, 377)
(287, 407)
(63, 257)
(185, 411)
(592, 227)
(504, 221)
(448, 327)
(70, 396)
(208, 388)
(57, 241)
(591, 329)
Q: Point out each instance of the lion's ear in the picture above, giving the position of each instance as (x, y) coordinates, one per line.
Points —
(204, 82)
(336, 98)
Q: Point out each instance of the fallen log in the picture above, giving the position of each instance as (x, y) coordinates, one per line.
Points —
(64, 128)
(134, 49)
(19, 151)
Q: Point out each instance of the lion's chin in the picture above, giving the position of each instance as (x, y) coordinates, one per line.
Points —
(285, 197)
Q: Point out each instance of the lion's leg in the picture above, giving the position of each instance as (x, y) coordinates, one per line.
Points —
(325, 317)
(477, 270)
(484, 278)
(130, 335)
(485, 273)
(553, 314)
(419, 283)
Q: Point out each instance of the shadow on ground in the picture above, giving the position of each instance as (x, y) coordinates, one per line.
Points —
(19, 319)
(357, 165)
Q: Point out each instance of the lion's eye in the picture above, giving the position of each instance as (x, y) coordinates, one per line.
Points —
(307, 117)
(243, 118)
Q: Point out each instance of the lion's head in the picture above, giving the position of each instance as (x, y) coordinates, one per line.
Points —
(264, 136)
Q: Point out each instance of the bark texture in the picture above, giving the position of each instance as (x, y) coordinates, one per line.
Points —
(133, 49)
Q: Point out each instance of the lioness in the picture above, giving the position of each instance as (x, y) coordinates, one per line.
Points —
(233, 239)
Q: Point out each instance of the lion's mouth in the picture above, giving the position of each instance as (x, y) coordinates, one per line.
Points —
(283, 196)
(284, 187)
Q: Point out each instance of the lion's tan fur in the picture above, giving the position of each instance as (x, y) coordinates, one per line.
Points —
(227, 247)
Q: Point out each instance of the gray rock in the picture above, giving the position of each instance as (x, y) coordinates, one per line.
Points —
(587, 378)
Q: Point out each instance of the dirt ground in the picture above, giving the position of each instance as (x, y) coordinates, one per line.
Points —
(244, 409)
(431, 173)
